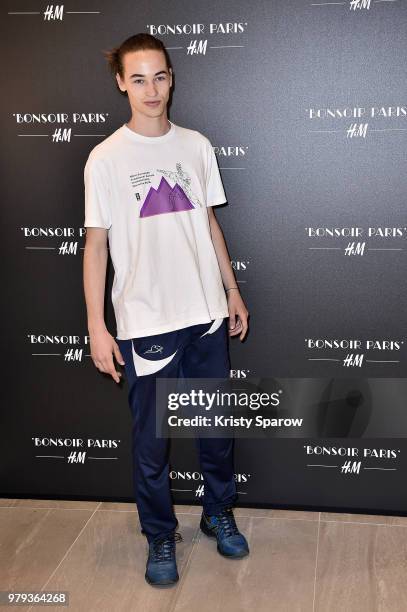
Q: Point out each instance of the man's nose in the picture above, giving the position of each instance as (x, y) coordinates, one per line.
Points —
(151, 89)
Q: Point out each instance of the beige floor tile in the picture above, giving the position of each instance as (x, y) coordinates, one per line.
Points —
(132, 507)
(277, 575)
(7, 502)
(275, 513)
(33, 541)
(49, 503)
(97, 552)
(377, 519)
(266, 513)
(361, 568)
(182, 508)
(104, 570)
(195, 508)
(120, 506)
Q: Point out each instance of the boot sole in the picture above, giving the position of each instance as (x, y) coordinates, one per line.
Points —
(211, 534)
(163, 584)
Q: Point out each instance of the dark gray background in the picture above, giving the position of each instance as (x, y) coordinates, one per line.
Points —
(293, 56)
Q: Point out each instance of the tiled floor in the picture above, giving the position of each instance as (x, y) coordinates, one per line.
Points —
(299, 561)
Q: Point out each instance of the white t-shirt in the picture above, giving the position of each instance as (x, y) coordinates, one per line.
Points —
(151, 193)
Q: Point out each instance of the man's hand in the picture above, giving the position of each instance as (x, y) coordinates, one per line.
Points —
(102, 347)
(238, 314)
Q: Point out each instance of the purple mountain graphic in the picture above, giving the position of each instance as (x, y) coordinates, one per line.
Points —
(165, 199)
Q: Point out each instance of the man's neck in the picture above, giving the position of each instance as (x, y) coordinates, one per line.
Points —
(149, 128)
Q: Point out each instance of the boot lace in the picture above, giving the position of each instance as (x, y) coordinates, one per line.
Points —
(227, 523)
(164, 547)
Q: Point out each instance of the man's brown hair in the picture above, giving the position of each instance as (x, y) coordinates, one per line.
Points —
(138, 42)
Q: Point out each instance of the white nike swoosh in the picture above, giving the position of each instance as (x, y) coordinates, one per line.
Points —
(215, 325)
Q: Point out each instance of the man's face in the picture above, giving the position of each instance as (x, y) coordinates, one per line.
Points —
(146, 79)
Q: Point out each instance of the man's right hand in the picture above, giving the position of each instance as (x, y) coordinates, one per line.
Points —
(102, 348)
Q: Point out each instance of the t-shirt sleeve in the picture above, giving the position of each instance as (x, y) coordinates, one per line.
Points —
(97, 194)
(215, 193)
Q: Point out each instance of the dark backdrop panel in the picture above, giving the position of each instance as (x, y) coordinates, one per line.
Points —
(305, 104)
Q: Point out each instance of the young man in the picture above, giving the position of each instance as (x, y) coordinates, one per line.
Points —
(149, 189)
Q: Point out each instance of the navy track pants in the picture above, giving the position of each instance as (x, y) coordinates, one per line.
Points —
(197, 351)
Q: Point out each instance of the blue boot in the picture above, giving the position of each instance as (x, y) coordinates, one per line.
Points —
(161, 568)
(222, 526)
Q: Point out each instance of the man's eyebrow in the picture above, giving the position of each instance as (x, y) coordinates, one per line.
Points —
(143, 75)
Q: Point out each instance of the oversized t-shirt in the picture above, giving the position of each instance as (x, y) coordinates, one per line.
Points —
(152, 194)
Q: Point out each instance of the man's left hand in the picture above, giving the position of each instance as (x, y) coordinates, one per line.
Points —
(238, 314)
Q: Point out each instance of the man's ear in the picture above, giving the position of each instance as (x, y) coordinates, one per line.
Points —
(119, 82)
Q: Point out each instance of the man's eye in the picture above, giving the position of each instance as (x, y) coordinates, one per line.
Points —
(160, 78)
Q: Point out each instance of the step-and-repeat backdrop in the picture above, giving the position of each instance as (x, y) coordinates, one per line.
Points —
(305, 104)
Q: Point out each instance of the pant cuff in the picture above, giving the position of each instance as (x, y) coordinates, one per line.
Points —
(150, 537)
(211, 509)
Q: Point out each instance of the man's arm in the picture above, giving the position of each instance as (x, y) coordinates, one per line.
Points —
(94, 276)
(236, 305)
(102, 344)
